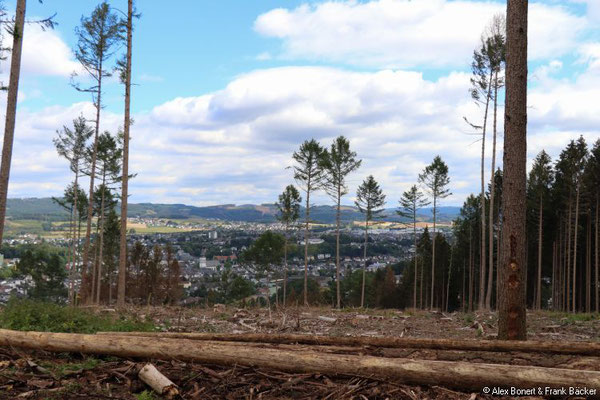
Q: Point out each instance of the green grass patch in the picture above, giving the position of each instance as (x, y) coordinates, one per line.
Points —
(29, 315)
(146, 395)
(60, 370)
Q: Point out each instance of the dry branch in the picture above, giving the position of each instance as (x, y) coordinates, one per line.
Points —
(451, 374)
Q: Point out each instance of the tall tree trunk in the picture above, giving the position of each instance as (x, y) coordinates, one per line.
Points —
(11, 109)
(416, 261)
(125, 181)
(337, 247)
(576, 227)
(488, 295)
(306, 243)
(568, 255)
(597, 250)
(464, 286)
(75, 241)
(588, 264)
(433, 252)
(512, 317)
(482, 268)
(421, 285)
(86, 297)
(538, 297)
(362, 295)
(101, 250)
(553, 276)
(285, 258)
(448, 282)
(470, 269)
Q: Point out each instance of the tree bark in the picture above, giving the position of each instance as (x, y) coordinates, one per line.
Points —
(11, 109)
(158, 382)
(538, 297)
(574, 303)
(490, 283)
(362, 294)
(125, 181)
(306, 243)
(597, 266)
(337, 247)
(512, 317)
(416, 261)
(285, 257)
(433, 252)
(452, 374)
(101, 250)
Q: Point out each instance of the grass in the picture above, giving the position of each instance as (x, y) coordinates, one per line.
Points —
(62, 369)
(29, 315)
(146, 395)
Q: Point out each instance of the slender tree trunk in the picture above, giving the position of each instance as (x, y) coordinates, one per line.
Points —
(597, 266)
(553, 275)
(11, 109)
(538, 297)
(588, 264)
(337, 246)
(125, 181)
(433, 252)
(488, 295)
(416, 261)
(568, 255)
(421, 285)
(576, 227)
(362, 295)
(88, 232)
(482, 267)
(285, 258)
(512, 317)
(306, 243)
(74, 243)
(464, 280)
(470, 269)
(101, 250)
(448, 282)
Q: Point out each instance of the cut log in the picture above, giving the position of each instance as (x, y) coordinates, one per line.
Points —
(445, 373)
(531, 346)
(157, 381)
(327, 319)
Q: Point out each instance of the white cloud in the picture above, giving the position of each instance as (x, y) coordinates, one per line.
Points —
(45, 53)
(404, 33)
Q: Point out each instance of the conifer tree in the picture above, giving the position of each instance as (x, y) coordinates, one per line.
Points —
(369, 200)
(289, 212)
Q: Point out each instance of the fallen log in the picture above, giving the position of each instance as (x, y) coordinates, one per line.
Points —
(574, 348)
(158, 382)
(445, 373)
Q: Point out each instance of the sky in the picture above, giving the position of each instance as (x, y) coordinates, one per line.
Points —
(225, 91)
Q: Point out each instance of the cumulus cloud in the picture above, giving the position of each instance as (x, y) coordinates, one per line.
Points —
(404, 33)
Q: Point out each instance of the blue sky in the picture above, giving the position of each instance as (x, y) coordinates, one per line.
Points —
(227, 90)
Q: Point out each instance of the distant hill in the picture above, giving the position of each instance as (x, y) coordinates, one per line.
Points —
(46, 209)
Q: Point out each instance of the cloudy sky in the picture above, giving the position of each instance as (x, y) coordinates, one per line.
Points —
(227, 90)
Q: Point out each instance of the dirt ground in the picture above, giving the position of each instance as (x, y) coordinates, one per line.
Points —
(40, 375)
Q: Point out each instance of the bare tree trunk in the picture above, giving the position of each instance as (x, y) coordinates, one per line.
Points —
(574, 305)
(538, 297)
(421, 286)
(553, 276)
(74, 243)
(433, 252)
(416, 261)
(306, 243)
(588, 264)
(101, 250)
(488, 295)
(470, 269)
(568, 255)
(482, 253)
(448, 282)
(512, 317)
(597, 266)
(337, 247)
(285, 257)
(362, 295)
(11, 109)
(464, 280)
(88, 232)
(125, 181)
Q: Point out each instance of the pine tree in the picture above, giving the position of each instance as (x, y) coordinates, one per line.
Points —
(435, 180)
(98, 37)
(410, 202)
(338, 163)
(289, 212)
(540, 182)
(369, 200)
(310, 176)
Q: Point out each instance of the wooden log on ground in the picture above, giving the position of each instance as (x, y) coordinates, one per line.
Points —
(158, 382)
(444, 373)
(531, 346)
